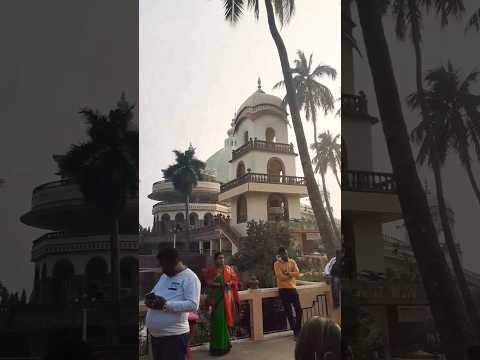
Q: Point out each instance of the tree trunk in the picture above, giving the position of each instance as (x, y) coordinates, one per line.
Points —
(471, 177)
(445, 302)
(312, 186)
(449, 241)
(115, 273)
(329, 210)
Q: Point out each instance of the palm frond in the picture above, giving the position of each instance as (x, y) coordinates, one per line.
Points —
(233, 10)
(253, 4)
(321, 70)
(473, 21)
(284, 10)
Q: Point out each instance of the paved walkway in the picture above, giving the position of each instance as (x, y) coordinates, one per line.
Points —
(278, 347)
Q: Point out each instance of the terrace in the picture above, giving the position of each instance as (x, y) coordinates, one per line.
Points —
(262, 330)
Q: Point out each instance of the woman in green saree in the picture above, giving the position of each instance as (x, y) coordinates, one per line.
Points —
(223, 296)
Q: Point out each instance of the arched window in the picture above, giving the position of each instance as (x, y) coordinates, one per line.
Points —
(62, 281)
(193, 219)
(240, 169)
(275, 170)
(277, 208)
(128, 273)
(270, 135)
(208, 219)
(95, 276)
(179, 218)
(165, 223)
(241, 209)
(245, 137)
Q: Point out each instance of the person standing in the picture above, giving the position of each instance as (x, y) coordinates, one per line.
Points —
(176, 294)
(223, 296)
(287, 273)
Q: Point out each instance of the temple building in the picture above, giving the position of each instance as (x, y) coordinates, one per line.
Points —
(252, 177)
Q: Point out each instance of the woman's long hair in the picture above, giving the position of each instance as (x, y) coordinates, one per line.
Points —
(320, 339)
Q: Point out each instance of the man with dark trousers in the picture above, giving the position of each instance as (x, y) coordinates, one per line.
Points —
(175, 295)
(287, 273)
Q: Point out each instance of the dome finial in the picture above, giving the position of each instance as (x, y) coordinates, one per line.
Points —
(259, 82)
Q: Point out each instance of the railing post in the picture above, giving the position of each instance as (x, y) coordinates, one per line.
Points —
(256, 316)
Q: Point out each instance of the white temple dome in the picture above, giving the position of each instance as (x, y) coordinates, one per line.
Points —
(259, 97)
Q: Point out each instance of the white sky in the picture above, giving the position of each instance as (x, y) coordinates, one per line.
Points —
(195, 69)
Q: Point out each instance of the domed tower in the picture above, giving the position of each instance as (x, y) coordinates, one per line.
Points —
(262, 178)
(74, 256)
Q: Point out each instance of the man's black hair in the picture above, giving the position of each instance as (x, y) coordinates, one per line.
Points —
(282, 250)
(216, 255)
(168, 253)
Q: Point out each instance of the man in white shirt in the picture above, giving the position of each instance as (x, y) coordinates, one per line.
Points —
(176, 293)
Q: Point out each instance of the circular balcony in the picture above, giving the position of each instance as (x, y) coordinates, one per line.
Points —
(205, 191)
(62, 243)
(60, 205)
(161, 208)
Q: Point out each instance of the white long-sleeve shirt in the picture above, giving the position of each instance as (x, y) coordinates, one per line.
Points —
(182, 293)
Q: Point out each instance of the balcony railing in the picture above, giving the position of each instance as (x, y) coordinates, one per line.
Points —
(263, 179)
(367, 181)
(261, 145)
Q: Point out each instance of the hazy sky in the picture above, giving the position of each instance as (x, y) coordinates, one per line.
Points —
(57, 57)
(196, 69)
(438, 47)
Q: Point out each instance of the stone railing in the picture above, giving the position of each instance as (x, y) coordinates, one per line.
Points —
(315, 299)
(368, 181)
(261, 145)
(264, 179)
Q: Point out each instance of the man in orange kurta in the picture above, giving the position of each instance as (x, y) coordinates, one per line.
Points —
(287, 273)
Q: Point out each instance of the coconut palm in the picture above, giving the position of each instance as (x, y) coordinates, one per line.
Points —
(327, 155)
(106, 169)
(433, 135)
(184, 175)
(330, 146)
(451, 98)
(444, 298)
(409, 19)
(311, 94)
(283, 10)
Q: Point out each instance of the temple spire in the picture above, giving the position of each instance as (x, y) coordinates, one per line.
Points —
(259, 83)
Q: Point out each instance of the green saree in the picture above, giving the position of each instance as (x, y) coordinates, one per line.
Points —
(220, 333)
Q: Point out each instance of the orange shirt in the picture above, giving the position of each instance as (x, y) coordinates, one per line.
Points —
(285, 281)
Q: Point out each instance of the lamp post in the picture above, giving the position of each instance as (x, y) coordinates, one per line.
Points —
(84, 301)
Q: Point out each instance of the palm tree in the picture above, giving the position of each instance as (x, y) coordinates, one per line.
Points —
(433, 136)
(283, 10)
(409, 17)
(451, 98)
(327, 156)
(106, 169)
(311, 94)
(184, 175)
(446, 305)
